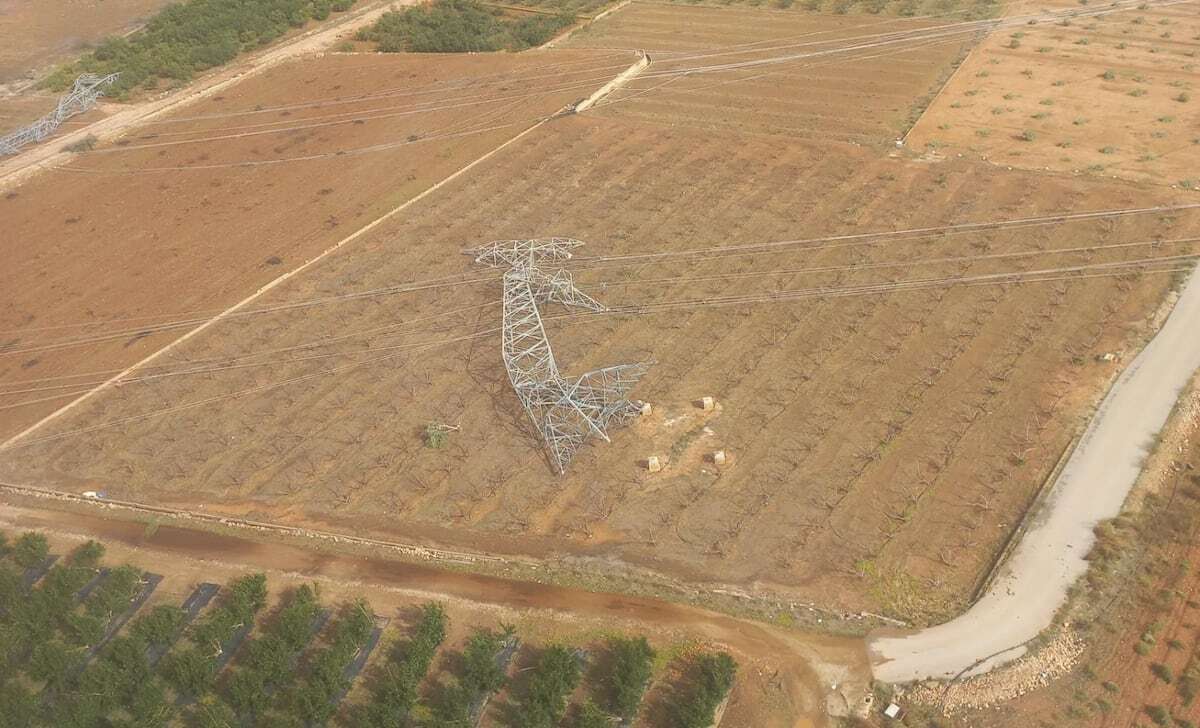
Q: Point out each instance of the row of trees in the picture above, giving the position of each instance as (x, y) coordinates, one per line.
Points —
(121, 682)
(49, 636)
(485, 661)
(395, 685)
(270, 659)
(460, 26)
(192, 36)
(192, 670)
(36, 617)
(314, 700)
(714, 674)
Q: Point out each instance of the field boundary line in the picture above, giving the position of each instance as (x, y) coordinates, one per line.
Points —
(264, 289)
(1034, 507)
(945, 85)
(563, 36)
(424, 552)
(625, 75)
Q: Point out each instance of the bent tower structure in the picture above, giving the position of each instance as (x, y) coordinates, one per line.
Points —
(566, 411)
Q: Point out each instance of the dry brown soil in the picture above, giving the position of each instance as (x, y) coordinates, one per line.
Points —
(882, 446)
(776, 685)
(167, 224)
(1115, 95)
(38, 33)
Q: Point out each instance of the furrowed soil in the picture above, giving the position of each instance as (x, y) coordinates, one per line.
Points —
(189, 214)
(1109, 96)
(882, 445)
(867, 96)
(776, 687)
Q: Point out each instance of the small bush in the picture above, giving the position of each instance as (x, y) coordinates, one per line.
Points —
(436, 436)
(1184, 97)
(1027, 136)
(1158, 714)
(1162, 672)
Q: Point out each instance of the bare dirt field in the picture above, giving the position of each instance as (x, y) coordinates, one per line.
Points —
(776, 684)
(39, 33)
(882, 446)
(192, 213)
(1113, 95)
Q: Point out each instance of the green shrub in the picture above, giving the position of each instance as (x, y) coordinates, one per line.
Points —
(1158, 714)
(192, 36)
(460, 26)
(1162, 672)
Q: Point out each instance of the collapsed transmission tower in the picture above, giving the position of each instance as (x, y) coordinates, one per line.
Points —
(566, 411)
(83, 95)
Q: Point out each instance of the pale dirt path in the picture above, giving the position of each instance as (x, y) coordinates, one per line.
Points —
(1051, 557)
(16, 169)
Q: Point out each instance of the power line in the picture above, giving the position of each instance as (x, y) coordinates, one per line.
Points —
(585, 263)
(1041, 276)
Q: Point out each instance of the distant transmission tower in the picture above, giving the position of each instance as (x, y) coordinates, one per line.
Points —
(83, 95)
(565, 411)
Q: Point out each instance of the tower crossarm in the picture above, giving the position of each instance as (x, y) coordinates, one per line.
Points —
(566, 412)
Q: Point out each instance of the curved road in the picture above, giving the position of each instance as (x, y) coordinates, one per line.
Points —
(1050, 557)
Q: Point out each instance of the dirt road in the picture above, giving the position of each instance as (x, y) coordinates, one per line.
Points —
(806, 662)
(1051, 557)
(17, 168)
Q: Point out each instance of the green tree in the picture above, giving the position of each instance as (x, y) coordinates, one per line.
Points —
(713, 678)
(88, 556)
(632, 664)
(481, 672)
(159, 626)
(30, 549)
(554, 678)
(51, 662)
(394, 685)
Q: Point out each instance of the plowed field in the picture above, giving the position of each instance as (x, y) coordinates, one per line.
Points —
(882, 443)
(190, 214)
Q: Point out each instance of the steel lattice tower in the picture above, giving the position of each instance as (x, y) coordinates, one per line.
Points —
(83, 95)
(566, 411)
